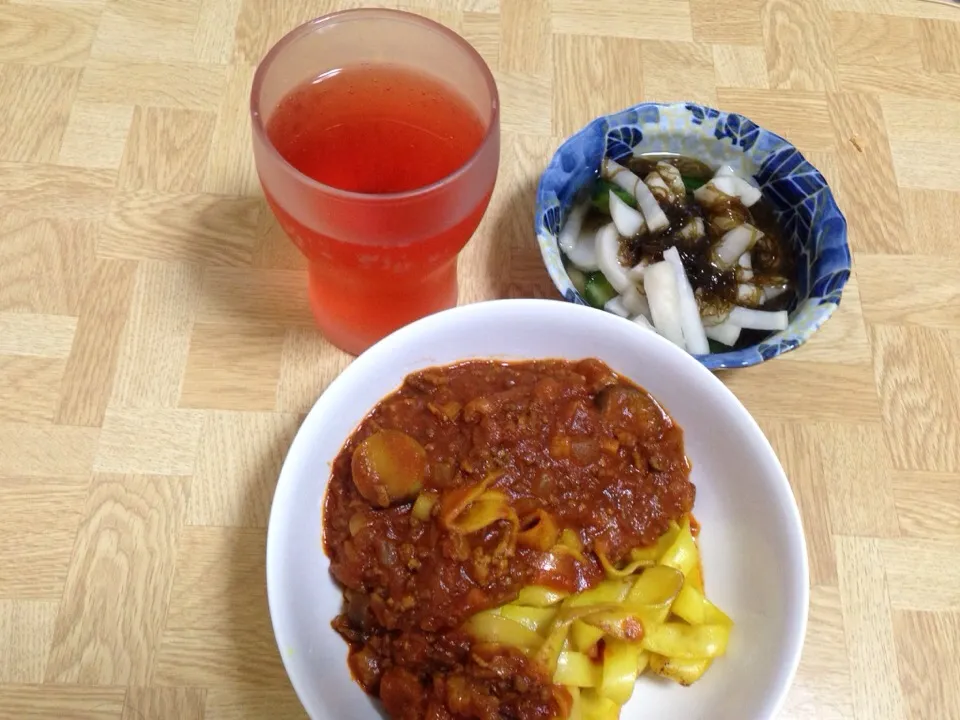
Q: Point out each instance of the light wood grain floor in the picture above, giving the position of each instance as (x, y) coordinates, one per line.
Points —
(157, 354)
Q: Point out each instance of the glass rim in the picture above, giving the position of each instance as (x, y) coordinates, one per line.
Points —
(259, 125)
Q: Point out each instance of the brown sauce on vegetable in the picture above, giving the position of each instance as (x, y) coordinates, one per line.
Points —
(568, 444)
(773, 261)
(771, 257)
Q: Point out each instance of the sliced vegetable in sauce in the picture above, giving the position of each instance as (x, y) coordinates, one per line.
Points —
(388, 467)
(730, 252)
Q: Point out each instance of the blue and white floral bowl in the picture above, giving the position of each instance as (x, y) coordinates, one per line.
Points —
(805, 207)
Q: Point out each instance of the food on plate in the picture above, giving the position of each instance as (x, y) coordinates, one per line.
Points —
(516, 540)
(687, 250)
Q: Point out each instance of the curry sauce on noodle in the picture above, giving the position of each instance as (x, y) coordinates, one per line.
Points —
(470, 483)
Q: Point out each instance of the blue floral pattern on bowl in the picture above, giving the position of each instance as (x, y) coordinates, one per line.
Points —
(805, 207)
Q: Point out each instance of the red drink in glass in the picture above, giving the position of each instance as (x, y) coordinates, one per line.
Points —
(376, 135)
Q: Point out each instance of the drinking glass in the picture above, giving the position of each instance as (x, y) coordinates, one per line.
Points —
(376, 261)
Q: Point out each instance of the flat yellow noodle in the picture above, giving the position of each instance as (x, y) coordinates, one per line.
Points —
(691, 605)
(455, 502)
(541, 533)
(650, 615)
(596, 707)
(532, 618)
(630, 568)
(584, 637)
(643, 661)
(654, 552)
(658, 586)
(607, 591)
(620, 668)
(688, 642)
(685, 672)
(489, 627)
(696, 576)
(569, 544)
(549, 653)
(540, 596)
(621, 623)
(576, 705)
(682, 554)
(576, 670)
(487, 509)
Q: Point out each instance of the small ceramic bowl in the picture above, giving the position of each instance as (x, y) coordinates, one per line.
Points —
(806, 210)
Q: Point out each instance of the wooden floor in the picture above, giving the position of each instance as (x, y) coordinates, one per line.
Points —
(157, 353)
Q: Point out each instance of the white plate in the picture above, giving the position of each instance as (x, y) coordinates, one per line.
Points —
(754, 555)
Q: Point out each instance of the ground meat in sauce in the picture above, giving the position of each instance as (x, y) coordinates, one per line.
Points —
(569, 438)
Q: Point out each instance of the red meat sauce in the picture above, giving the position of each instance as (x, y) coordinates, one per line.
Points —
(571, 439)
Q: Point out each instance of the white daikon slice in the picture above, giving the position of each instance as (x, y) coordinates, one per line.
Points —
(619, 175)
(615, 305)
(690, 324)
(628, 220)
(660, 283)
(634, 302)
(729, 185)
(608, 258)
(749, 294)
(642, 321)
(671, 175)
(570, 231)
(584, 252)
(636, 272)
(725, 333)
(745, 268)
(659, 188)
(693, 230)
(773, 291)
(748, 194)
(759, 319)
(733, 244)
